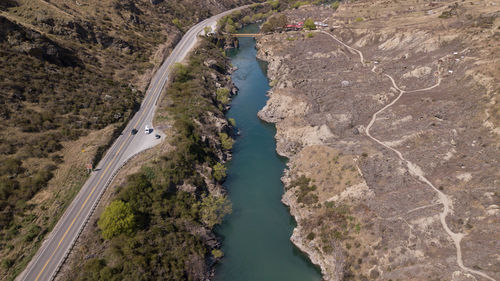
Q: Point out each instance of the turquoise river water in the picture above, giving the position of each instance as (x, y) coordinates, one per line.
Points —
(256, 236)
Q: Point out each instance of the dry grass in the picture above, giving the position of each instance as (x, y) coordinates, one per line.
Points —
(50, 203)
(328, 169)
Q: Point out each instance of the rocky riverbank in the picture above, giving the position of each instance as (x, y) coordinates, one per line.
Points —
(371, 183)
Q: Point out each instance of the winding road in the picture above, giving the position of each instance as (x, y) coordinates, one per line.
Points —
(56, 247)
(414, 169)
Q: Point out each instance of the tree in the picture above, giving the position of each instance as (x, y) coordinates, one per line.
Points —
(223, 95)
(247, 20)
(219, 171)
(116, 219)
(181, 73)
(273, 23)
(226, 141)
(214, 209)
(230, 28)
(309, 24)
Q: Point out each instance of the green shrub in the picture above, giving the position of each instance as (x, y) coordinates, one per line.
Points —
(226, 141)
(335, 5)
(309, 24)
(207, 30)
(311, 235)
(304, 190)
(181, 73)
(219, 171)
(33, 232)
(247, 20)
(297, 4)
(257, 16)
(7, 263)
(177, 23)
(116, 219)
(217, 253)
(357, 228)
(232, 122)
(230, 28)
(310, 35)
(223, 95)
(214, 209)
(275, 4)
(358, 19)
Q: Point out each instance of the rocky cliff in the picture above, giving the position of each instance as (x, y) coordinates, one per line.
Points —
(389, 118)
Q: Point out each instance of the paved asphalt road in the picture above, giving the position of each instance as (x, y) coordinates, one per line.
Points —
(56, 247)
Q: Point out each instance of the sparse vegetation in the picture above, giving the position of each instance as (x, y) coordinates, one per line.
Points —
(305, 190)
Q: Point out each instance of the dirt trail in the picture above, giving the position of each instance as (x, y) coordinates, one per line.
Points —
(414, 169)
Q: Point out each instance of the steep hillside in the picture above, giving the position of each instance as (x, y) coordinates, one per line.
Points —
(390, 118)
(72, 74)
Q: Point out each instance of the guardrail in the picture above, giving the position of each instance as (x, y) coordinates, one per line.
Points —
(91, 213)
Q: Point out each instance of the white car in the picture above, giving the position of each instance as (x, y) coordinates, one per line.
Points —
(146, 130)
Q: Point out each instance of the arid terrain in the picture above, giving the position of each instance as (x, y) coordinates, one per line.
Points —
(390, 119)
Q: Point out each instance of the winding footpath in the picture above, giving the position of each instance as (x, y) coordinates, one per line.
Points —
(414, 169)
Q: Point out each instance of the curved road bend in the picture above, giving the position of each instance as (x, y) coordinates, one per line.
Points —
(56, 247)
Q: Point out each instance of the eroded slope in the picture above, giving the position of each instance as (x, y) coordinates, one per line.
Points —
(389, 118)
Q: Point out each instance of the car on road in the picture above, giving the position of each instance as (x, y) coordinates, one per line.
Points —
(157, 136)
(147, 130)
(134, 131)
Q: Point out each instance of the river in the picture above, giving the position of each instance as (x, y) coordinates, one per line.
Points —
(256, 236)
